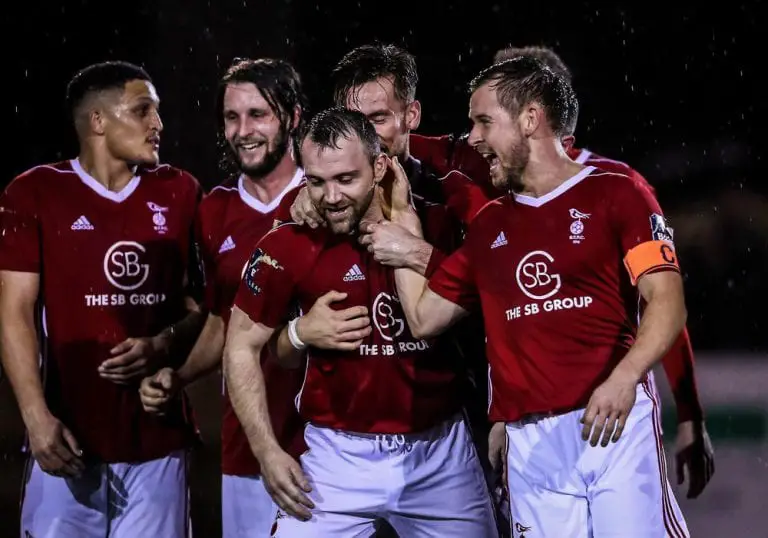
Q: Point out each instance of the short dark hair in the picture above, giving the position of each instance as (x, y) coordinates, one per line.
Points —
(101, 77)
(277, 81)
(544, 54)
(370, 62)
(523, 80)
(326, 128)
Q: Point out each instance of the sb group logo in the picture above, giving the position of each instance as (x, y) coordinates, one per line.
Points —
(125, 267)
(538, 281)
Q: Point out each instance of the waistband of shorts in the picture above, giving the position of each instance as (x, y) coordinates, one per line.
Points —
(530, 418)
(435, 431)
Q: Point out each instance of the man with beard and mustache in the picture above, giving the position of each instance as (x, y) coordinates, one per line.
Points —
(693, 450)
(260, 104)
(385, 433)
(557, 267)
(380, 81)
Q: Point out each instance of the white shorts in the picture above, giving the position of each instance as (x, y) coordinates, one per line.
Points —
(429, 484)
(119, 500)
(247, 510)
(561, 486)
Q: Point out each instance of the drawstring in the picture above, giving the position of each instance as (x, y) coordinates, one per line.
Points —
(393, 443)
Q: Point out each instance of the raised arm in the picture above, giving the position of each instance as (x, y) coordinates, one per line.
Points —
(428, 313)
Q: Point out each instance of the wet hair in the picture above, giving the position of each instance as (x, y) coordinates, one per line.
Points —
(370, 62)
(101, 77)
(328, 127)
(549, 58)
(524, 80)
(544, 54)
(277, 81)
(279, 84)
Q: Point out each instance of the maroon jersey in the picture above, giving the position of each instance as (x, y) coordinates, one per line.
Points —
(449, 152)
(394, 383)
(112, 265)
(230, 224)
(560, 308)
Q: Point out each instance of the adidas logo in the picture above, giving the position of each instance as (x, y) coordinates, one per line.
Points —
(82, 224)
(228, 244)
(353, 274)
(500, 240)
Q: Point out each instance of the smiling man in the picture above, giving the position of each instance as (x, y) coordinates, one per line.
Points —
(104, 244)
(385, 433)
(260, 104)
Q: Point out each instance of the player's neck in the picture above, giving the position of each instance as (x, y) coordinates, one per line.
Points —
(374, 213)
(113, 173)
(548, 168)
(268, 187)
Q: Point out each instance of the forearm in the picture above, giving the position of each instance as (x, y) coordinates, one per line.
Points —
(247, 392)
(660, 326)
(679, 367)
(177, 340)
(19, 352)
(205, 356)
(410, 289)
(283, 350)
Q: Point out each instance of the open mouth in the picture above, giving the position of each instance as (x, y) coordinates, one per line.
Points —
(154, 141)
(491, 158)
(250, 146)
(337, 213)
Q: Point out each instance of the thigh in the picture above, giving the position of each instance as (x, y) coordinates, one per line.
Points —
(350, 479)
(247, 510)
(445, 492)
(545, 496)
(55, 507)
(631, 496)
(150, 498)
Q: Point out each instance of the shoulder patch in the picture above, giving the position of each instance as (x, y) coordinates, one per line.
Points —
(659, 229)
(258, 261)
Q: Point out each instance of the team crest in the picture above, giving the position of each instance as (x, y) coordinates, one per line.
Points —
(521, 530)
(158, 219)
(577, 226)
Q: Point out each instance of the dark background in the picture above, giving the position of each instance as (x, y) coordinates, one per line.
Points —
(672, 91)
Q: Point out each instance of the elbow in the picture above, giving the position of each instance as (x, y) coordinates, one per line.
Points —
(421, 330)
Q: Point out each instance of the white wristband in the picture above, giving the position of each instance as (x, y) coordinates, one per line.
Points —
(293, 336)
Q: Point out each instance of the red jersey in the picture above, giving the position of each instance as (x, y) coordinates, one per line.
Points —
(112, 265)
(393, 383)
(230, 224)
(449, 152)
(560, 310)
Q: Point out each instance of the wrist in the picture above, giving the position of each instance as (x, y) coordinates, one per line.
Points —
(296, 333)
(410, 221)
(34, 414)
(265, 449)
(184, 375)
(161, 343)
(626, 372)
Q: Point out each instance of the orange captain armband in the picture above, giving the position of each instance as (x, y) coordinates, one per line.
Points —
(650, 256)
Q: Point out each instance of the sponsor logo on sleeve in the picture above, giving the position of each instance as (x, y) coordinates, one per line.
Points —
(258, 260)
(659, 229)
